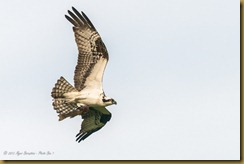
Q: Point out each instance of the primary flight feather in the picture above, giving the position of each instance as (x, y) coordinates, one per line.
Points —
(87, 97)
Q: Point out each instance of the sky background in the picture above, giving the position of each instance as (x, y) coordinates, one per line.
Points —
(174, 70)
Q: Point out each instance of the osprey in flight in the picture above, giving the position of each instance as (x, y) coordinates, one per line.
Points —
(87, 98)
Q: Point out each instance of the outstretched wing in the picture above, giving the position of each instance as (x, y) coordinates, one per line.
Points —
(93, 55)
(93, 121)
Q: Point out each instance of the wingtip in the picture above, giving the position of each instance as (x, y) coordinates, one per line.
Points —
(69, 12)
(83, 13)
(88, 20)
(79, 138)
(74, 9)
(77, 135)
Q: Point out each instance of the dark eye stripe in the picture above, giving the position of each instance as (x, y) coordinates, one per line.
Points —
(104, 100)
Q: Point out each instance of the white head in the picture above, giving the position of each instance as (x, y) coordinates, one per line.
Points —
(108, 101)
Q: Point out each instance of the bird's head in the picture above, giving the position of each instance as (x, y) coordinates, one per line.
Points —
(108, 101)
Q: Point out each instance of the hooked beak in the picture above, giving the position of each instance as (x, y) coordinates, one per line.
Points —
(114, 102)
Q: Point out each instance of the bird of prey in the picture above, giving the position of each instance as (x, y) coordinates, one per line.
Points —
(87, 97)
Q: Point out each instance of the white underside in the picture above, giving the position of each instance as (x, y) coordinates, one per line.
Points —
(92, 94)
(84, 98)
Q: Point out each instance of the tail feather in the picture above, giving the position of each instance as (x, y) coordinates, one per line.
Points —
(62, 86)
(62, 107)
(65, 109)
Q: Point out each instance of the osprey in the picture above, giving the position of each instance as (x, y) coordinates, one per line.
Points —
(87, 97)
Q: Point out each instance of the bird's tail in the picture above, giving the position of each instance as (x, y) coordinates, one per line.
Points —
(65, 109)
(61, 87)
(62, 107)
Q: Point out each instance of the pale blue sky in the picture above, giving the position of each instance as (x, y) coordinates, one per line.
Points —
(174, 71)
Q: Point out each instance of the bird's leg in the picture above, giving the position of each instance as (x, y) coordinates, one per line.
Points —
(83, 108)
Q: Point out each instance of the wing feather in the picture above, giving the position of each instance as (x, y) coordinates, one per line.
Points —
(71, 20)
(93, 121)
(88, 21)
(93, 55)
(79, 15)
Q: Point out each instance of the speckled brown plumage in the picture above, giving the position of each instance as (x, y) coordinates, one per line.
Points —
(90, 46)
(87, 97)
